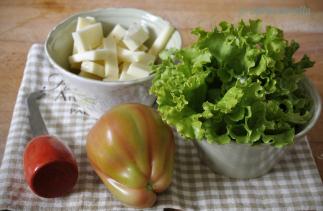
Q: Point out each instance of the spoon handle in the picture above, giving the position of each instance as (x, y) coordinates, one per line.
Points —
(36, 121)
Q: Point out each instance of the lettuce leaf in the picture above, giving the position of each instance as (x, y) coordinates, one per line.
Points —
(235, 83)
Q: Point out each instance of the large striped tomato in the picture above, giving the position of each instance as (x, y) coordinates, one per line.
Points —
(132, 151)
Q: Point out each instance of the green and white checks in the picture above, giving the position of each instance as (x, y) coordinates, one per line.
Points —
(294, 183)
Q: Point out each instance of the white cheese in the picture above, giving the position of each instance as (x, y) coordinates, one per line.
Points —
(129, 56)
(88, 38)
(138, 70)
(111, 64)
(118, 32)
(93, 68)
(124, 76)
(84, 22)
(99, 54)
(135, 36)
(99, 58)
(135, 56)
(161, 41)
(147, 59)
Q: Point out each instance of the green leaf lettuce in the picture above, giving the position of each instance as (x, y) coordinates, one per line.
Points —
(235, 83)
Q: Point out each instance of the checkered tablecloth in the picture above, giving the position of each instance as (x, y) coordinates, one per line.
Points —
(294, 183)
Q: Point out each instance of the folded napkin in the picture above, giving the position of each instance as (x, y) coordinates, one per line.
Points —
(294, 183)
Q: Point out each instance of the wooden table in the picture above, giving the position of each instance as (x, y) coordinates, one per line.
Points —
(23, 23)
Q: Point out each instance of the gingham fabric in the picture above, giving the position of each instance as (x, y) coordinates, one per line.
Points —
(294, 183)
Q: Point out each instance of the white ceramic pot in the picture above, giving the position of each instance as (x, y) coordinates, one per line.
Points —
(247, 161)
(96, 97)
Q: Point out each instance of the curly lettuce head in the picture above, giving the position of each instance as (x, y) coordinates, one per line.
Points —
(235, 83)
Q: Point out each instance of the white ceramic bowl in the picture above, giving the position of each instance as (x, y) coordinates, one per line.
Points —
(246, 161)
(96, 97)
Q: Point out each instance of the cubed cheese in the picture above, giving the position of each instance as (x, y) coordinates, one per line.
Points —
(88, 38)
(147, 59)
(126, 77)
(123, 75)
(84, 22)
(118, 32)
(93, 68)
(138, 70)
(162, 39)
(130, 56)
(122, 55)
(111, 64)
(135, 36)
(99, 54)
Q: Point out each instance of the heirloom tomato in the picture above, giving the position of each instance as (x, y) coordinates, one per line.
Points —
(132, 151)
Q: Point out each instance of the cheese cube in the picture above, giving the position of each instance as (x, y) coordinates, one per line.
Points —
(126, 77)
(161, 41)
(99, 54)
(88, 38)
(130, 56)
(84, 22)
(93, 68)
(118, 32)
(135, 36)
(123, 74)
(111, 64)
(138, 70)
(147, 59)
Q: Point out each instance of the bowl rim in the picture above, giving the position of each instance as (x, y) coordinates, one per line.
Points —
(317, 106)
(98, 82)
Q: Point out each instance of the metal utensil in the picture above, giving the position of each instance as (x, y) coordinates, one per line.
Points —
(35, 119)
